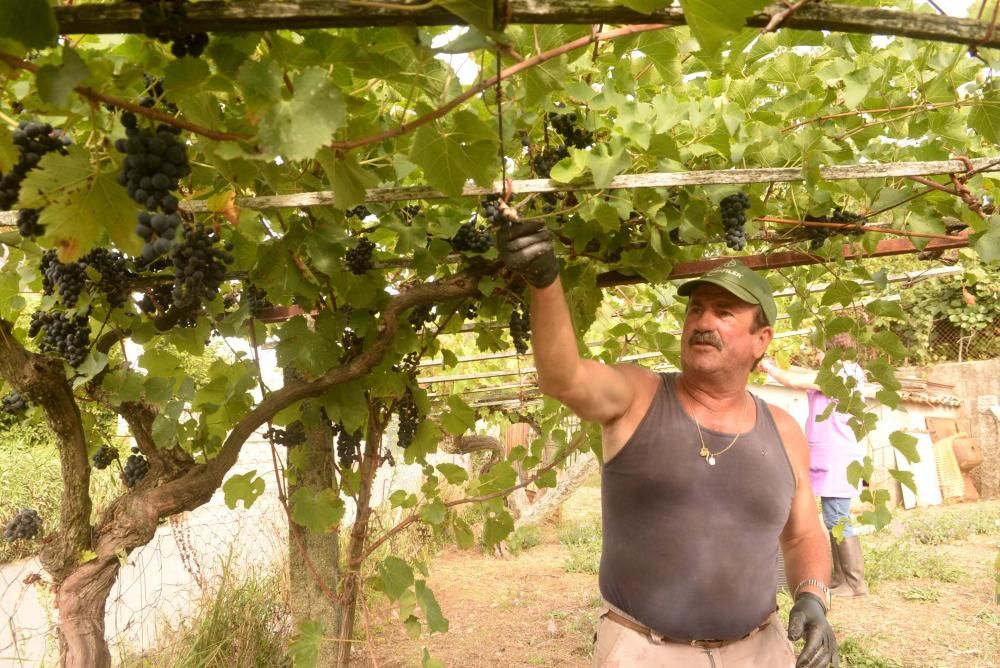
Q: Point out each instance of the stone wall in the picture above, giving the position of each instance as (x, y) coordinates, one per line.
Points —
(978, 384)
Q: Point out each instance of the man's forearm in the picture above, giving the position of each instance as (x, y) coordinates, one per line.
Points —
(808, 558)
(553, 339)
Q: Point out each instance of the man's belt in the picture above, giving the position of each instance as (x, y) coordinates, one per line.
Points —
(642, 629)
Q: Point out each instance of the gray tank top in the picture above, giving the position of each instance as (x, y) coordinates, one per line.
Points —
(691, 550)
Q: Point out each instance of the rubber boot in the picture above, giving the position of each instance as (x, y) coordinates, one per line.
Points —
(852, 563)
(837, 578)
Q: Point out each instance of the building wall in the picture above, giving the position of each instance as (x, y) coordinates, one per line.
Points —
(978, 383)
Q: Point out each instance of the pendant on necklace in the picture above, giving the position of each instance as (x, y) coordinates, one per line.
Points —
(703, 452)
(711, 460)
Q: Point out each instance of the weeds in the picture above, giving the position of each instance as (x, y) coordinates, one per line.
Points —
(901, 560)
(951, 523)
(242, 623)
(583, 540)
(854, 654)
(524, 538)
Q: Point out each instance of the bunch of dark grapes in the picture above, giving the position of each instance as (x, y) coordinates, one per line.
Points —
(114, 271)
(409, 418)
(572, 134)
(154, 163)
(199, 266)
(818, 235)
(257, 299)
(520, 329)
(102, 458)
(26, 525)
(28, 225)
(543, 162)
(158, 298)
(408, 365)
(69, 279)
(497, 214)
(68, 338)
(167, 22)
(359, 258)
(136, 468)
(32, 141)
(733, 219)
(359, 211)
(421, 314)
(471, 311)
(410, 212)
(14, 404)
(352, 345)
(348, 446)
(473, 238)
(292, 435)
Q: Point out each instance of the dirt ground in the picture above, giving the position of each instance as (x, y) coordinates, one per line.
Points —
(528, 611)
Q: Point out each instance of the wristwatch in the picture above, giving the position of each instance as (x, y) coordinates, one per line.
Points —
(819, 585)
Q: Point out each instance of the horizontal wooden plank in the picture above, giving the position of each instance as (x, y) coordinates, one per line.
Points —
(253, 15)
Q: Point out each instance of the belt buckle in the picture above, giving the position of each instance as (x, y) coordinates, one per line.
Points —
(708, 644)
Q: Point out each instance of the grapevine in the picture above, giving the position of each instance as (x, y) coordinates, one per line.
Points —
(154, 163)
(348, 446)
(733, 219)
(28, 225)
(26, 525)
(15, 404)
(136, 467)
(67, 279)
(69, 338)
(572, 133)
(543, 162)
(167, 22)
(473, 238)
(294, 434)
(409, 419)
(104, 456)
(32, 141)
(520, 329)
(359, 258)
(199, 266)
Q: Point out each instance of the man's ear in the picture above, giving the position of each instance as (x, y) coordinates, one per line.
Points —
(762, 339)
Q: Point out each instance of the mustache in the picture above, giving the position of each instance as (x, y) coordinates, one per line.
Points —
(706, 337)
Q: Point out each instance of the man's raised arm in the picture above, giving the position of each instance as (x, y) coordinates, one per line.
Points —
(594, 391)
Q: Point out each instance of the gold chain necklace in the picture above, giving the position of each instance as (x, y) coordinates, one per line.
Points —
(708, 454)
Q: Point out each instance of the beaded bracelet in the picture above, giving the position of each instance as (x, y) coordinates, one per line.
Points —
(819, 585)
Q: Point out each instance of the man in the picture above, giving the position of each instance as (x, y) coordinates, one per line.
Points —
(700, 483)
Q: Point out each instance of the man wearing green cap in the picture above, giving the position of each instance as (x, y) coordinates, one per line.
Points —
(701, 483)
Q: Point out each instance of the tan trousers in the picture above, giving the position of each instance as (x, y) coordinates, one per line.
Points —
(621, 647)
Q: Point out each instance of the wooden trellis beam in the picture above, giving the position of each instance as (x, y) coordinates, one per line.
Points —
(625, 182)
(246, 15)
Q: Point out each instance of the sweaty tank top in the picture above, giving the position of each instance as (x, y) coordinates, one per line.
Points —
(690, 550)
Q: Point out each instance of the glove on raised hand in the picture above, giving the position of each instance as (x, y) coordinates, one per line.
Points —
(527, 249)
(808, 618)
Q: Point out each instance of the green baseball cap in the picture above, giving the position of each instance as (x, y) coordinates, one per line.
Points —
(742, 281)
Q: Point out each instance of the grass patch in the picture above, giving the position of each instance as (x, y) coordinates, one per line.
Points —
(31, 478)
(524, 538)
(854, 653)
(243, 622)
(583, 540)
(947, 524)
(902, 560)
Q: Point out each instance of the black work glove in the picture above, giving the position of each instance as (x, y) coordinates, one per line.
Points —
(527, 249)
(808, 617)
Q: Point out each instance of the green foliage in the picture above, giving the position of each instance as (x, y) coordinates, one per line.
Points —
(524, 538)
(240, 621)
(853, 653)
(951, 523)
(345, 110)
(583, 540)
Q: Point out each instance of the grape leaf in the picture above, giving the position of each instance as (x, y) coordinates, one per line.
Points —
(712, 23)
(56, 82)
(319, 510)
(304, 649)
(30, 22)
(295, 129)
(906, 445)
(78, 203)
(246, 487)
(397, 576)
(348, 179)
(450, 155)
(436, 623)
